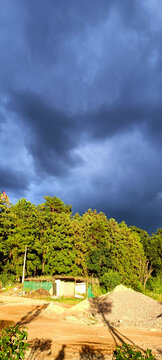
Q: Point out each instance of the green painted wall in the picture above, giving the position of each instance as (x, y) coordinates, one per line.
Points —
(90, 294)
(35, 285)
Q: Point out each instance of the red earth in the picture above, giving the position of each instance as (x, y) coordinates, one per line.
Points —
(56, 338)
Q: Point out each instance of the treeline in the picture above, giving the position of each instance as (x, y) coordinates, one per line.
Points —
(87, 245)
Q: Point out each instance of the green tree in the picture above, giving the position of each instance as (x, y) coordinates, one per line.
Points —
(97, 242)
(80, 246)
(110, 280)
(126, 253)
(54, 204)
(153, 249)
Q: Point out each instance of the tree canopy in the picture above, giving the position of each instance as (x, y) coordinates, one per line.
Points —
(87, 245)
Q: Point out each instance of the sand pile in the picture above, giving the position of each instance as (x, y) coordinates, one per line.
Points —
(53, 310)
(78, 310)
(82, 307)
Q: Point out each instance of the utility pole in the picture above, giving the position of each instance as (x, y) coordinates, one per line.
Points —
(23, 275)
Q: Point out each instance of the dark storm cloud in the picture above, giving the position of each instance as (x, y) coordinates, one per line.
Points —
(60, 132)
(138, 201)
(50, 27)
(107, 122)
(131, 184)
(13, 180)
(125, 117)
(47, 24)
(2, 118)
(80, 104)
(49, 125)
(52, 134)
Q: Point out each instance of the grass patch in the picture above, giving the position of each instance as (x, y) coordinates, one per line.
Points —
(63, 300)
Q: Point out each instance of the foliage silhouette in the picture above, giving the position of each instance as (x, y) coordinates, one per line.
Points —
(88, 353)
(37, 347)
(31, 315)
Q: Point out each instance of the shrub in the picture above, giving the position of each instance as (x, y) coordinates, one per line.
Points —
(13, 343)
(96, 290)
(128, 352)
(109, 280)
(136, 285)
(7, 279)
(155, 284)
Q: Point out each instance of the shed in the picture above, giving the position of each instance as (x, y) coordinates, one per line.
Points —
(59, 285)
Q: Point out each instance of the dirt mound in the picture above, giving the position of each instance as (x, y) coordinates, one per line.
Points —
(39, 293)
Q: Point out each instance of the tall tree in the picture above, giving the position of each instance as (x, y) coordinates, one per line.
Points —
(126, 252)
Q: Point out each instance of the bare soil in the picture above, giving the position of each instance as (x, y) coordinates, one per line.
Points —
(63, 337)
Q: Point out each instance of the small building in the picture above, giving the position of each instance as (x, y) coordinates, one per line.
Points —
(60, 286)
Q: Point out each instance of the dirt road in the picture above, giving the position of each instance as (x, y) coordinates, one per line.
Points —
(59, 339)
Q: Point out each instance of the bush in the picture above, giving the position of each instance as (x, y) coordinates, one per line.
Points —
(110, 280)
(96, 290)
(128, 352)
(13, 343)
(136, 285)
(155, 284)
(7, 279)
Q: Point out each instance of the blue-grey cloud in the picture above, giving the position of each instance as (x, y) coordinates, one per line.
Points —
(80, 104)
(13, 180)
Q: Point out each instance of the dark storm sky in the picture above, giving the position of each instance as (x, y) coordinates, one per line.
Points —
(81, 105)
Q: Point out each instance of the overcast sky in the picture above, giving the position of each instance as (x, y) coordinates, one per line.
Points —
(81, 105)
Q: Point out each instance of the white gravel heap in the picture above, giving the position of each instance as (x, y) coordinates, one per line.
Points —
(133, 308)
(124, 307)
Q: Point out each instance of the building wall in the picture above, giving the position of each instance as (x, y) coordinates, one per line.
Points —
(80, 289)
(35, 285)
(67, 289)
(60, 287)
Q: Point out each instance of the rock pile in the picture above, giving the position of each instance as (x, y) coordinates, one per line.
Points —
(132, 308)
(124, 307)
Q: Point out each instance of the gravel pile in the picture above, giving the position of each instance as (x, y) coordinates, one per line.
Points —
(121, 307)
(122, 288)
(126, 307)
(130, 308)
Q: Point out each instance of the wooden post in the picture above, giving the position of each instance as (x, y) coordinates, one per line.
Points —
(87, 283)
(23, 275)
(74, 286)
